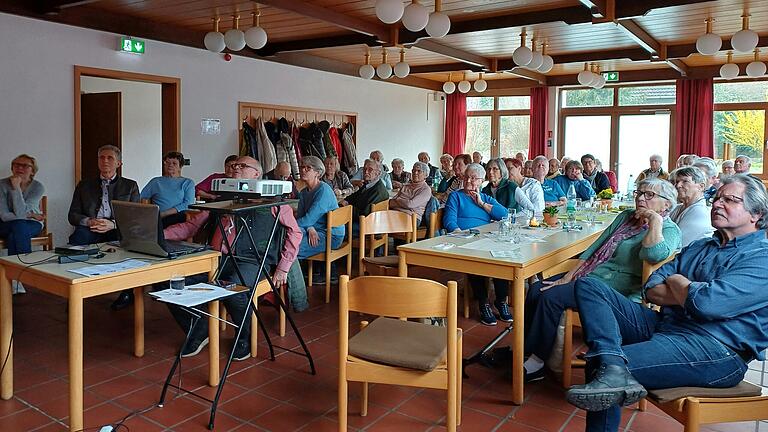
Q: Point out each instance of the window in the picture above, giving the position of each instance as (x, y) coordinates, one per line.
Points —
(498, 126)
(755, 91)
(587, 97)
(739, 121)
(479, 136)
(479, 104)
(647, 95)
(514, 135)
(514, 102)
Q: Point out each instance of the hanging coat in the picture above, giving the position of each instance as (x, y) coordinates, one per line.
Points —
(295, 138)
(327, 144)
(349, 150)
(266, 148)
(249, 146)
(336, 141)
(311, 141)
(285, 148)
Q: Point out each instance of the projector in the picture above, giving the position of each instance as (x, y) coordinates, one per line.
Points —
(256, 187)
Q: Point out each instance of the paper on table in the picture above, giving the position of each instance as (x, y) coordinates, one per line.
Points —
(97, 270)
(506, 253)
(488, 244)
(192, 295)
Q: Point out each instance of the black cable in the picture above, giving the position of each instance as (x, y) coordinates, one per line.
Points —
(8, 354)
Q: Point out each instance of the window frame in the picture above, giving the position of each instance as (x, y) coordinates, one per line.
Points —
(496, 115)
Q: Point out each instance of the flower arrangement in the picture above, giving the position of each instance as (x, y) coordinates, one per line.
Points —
(551, 210)
(605, 194)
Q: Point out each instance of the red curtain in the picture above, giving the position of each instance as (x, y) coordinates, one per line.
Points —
(695, 107)
(455, 123)
(537, 144)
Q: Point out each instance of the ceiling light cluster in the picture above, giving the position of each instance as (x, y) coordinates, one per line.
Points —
(384, 70)
(530, 58)
(591, 76)
(755, 69)
(235, 39)
(465, 86)
(415, 17)
(745, 40)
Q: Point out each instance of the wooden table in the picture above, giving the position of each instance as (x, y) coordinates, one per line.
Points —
(55, 279)
(559, 247)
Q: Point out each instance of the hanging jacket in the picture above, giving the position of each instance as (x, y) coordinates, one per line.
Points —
(325, 127)
(336, 141)
(349, 151)
(249, 146)
(295, 138)
(311, 141)
(266, 148)
(284, 147)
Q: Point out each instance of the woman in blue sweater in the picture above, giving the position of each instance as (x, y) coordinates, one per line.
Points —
(315, 201)
(469, 208)
(171, 192)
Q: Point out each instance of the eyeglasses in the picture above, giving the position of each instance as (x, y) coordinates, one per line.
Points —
(171, 162)
(21, 165)
(305, 167)
(728, 200)
(648, 195)
(474, 179)
(243, 165)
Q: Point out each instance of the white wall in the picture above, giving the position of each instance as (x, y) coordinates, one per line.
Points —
(36, 101)
(142, 125)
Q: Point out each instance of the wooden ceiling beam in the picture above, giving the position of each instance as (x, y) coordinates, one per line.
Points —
(598, 8)
(636, 54)
(455, 53)
(684, 50)
(445, 67)
(320, 13)
(679, 66)
(638, 8)
(528, 74)
(640, 36)
(273, 48)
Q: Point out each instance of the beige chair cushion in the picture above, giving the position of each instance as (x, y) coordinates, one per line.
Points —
(401, 343)
(384, 261)
(743, 389)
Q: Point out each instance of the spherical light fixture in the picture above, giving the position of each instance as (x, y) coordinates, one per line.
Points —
(547, 63)
(256, 37)
(522, 55)
(449, 87)
(756, 68)
(367, 71)
(585, 77)
(708, 43)
(384, 70)
(536, 58)
(214, 41)
(389, 11)
(234, 38)
(745, 40)
(415, 17)
(480, 85)
(402, 69)
(464, 86)
(729, 70)
(439, 24)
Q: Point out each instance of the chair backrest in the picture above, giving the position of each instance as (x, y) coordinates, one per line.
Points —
(388, 222)
(44, 211)
(380, 206)
(339, 217)
(612, 180)
(649, 268)
(435, 223)
(398, 297)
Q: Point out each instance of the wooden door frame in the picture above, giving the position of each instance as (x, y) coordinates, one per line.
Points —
(171, 106)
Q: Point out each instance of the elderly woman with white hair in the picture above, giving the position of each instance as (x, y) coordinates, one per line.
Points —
(709, 167)
(315, 201)
(336, 178)
(414, 196)
(726, 169)
(499, 186)
(399, 175)
(692, 214)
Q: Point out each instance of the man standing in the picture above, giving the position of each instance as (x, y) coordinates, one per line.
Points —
(655, 170)
(573, 177)
(596, 178)
(714, 311)
(91, 209)
(434, 176)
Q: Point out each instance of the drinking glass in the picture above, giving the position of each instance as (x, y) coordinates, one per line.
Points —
(590, 210)
(177, 282)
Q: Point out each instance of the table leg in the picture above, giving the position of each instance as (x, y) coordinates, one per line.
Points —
(213, 343)
(6, 330)
(138, 321)
(518, 314)
(75, 361)
(402, 265)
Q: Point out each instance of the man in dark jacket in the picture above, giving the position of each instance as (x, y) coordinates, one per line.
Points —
(371, 192)
(91, 209)
(434, 176)
(597, 179)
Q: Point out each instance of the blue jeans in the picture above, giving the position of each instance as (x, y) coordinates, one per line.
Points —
(306, 250)
(84, 236)
(660, 353)
(543, 310)
(18, 234)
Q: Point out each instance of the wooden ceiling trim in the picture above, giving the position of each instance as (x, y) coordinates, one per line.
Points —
(528, 74)
(634, 8)
(640, 36)
(598, 8)
(636, 54)
(454, 53)
(445, 67)
(316, 43)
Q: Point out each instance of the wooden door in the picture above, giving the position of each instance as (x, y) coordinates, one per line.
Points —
(100, 124)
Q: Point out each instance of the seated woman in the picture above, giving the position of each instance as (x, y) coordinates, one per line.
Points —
(315, 201)
(20, 215)
(455, 182)
(499, 186)
(336, 178)
(470, 208)
(171, 192)
(446, 165)
(616, 258)
(529, 194)
(398, 175)
(692, 214)
(414, 196)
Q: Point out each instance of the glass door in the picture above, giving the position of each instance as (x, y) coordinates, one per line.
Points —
(514, 133)
(479, 136)
(589, 134)
(640, 136)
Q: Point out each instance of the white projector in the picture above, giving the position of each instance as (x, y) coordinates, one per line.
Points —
(265, 188)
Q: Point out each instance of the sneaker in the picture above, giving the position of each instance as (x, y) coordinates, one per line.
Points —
(486, 315)
(534, 376)
(193, 347)
(504, 313)
(242, 351)
(17, 288)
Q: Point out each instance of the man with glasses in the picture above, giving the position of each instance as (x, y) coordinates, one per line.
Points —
(414, 196)
(371, 192)
(203, 189)
(714, 312)
(596, 178)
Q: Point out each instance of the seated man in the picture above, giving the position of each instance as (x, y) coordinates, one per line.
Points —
(597, 179)
(91, 209)
(726, 169)
(359, 177)
(573, 177)
(203, 189)
(714, 312)
(279, 262)
(554, 168)
(434, 175)
(654, 171)
(414, 196)
(742, 164)
(281, 172)
(371, 192)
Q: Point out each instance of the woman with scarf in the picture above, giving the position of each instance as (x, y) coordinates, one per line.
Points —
(645, 233)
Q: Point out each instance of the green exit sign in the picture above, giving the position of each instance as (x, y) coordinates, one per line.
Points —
(611, 76)
(131, 45)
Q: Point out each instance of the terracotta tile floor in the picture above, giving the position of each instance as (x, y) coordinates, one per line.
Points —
(260, 395)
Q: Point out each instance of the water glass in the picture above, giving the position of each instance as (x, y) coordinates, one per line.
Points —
(590, 210)
(177, 282)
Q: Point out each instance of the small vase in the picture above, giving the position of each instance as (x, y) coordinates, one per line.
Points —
(550, 220)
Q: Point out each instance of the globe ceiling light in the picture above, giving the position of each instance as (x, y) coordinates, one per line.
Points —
(448, 86)
(756, 68)
(708, 43)
(384, 70)
(389, 11)
(536, 58)
(367, 71)
(439, 24)
(745, 40)
(729, 70)
(256, 37)
(480, 85)
(214, 41)
(522, 55)
(547, 62)
(234, 38)
(599, 82)
(415, 17)
(585, 77)
(402, 69)
(464, 86)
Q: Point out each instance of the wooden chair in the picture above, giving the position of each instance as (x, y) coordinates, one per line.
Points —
(383, 351)
(383, 222)
(435, 223)
(339, 217)
(44, 239)
(373, 241)
(261, 289)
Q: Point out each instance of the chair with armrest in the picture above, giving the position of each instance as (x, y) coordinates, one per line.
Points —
(339, 217)
(44, 239)
(383, 223)
(396, 351)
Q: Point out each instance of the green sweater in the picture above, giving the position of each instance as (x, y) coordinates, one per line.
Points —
(624, 271)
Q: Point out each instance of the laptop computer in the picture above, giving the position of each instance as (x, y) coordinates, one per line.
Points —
(141, 231)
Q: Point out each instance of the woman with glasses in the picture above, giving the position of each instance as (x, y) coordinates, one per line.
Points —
(171, 192)
(692, 214)
(315, 201)
(20, 215)
(645, 233)
(336, 178)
